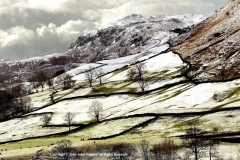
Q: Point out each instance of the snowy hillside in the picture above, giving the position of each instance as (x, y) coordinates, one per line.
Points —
(129, 35)
(169, 101)
(153, 103)
(212, 46)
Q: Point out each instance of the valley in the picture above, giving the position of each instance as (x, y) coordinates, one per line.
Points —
(140, 82)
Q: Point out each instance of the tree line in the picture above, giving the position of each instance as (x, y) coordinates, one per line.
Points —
(13, 101)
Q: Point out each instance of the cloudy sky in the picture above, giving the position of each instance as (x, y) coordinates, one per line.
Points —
(37, 27)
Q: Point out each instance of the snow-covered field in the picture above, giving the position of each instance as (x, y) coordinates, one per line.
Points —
(21, 128)
(176, 95)
(109, 128)
(184, 97)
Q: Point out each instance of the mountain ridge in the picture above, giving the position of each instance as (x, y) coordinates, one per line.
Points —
(212, 46)
(127, 36)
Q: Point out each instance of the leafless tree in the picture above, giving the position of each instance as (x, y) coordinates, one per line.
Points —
(123, 151)
(63, 150)
(89, 75)
(193, 140)
(12, 102)
(68, 82)
(6, 102)
(95, 110)
(211, 145)
(144, 150)
(186, 155)
(69, 118)
(140, 70)
(25, 103)
(15, 89)
(37, 80)
(143, 84)
(46, 119)
(131, 73)
(100, 74)
(52, 97)
(41, 78)
(167, 150)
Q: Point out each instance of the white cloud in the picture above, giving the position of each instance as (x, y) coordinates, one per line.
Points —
(16, 35)
(91, 15)
(50, 5)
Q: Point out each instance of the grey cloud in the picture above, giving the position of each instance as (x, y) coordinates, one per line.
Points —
(32, 19)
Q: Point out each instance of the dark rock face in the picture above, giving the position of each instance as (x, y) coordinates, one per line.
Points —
(128, 36)
(212, 47)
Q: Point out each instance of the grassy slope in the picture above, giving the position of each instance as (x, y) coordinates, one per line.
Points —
(184, 97)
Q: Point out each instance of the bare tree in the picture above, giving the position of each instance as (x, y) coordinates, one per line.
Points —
(144, 150)
(68, 82)
(89, 75)
(37, 80)
(167, 150)
(26, 104)
(69, 118)
(211, 145)
(140, 70)
(123, 151)
(100, 74)
(143, 84)
(12, 102)
(41, 78)
(131, 73)
(193, 139)
(46, 119)
(186, 155)
(95, 110)
(52, 97)
(15, 90)
(23, 104)
(64, 150)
